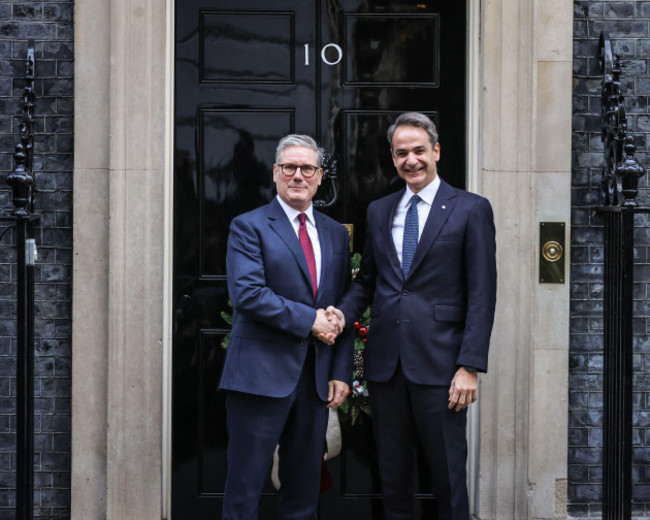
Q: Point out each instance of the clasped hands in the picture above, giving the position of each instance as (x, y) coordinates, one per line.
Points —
(329, 323)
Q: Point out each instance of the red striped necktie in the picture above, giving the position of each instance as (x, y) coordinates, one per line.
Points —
(308, 249)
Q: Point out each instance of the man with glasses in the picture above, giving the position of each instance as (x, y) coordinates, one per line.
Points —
(284, 368)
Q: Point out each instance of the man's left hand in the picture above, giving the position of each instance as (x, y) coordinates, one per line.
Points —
(463, 390)
(337, 393)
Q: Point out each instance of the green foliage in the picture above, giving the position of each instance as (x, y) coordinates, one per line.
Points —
(355, 262)
(227, 317)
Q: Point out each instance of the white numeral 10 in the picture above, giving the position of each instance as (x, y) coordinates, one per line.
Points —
(334, 46)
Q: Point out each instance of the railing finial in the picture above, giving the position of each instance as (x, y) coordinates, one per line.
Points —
(629, 171)
(21, 179)
(622, 171)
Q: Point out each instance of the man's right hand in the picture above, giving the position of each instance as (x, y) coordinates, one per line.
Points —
(337, 313)
(326, 326)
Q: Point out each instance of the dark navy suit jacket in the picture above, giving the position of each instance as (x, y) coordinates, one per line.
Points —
(274, 310)
(440, 317)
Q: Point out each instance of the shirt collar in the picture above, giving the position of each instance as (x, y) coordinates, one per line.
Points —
(427, 194)
(292, 213)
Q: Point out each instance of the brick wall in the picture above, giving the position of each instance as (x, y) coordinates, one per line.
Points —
(50, 25)
(628, 26)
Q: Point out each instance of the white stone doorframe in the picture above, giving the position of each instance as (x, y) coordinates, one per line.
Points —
(519, 132)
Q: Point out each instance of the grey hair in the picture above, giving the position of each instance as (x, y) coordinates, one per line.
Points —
(414, 119)
(298, 140)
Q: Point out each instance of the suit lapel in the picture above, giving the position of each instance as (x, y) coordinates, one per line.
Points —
(443, 205)
(386, 231)
(279, 223)
(326, 248)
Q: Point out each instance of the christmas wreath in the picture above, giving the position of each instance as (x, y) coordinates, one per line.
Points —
(357, 403)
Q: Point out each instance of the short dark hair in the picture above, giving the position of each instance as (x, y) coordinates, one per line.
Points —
(414, 119)
(298, 140)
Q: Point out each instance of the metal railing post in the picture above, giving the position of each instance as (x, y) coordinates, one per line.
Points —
(23, 220)
(25, 376)
(620, 188)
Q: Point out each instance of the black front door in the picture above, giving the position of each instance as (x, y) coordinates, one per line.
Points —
(247, 73)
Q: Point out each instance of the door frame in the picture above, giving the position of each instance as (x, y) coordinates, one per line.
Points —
(473, 147)
(168, 262)
(122, 176)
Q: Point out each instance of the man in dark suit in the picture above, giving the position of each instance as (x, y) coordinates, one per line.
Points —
(284, 262)
(429, 270)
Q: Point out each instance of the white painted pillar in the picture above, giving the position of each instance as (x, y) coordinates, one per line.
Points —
(118, 247)
(526, 173)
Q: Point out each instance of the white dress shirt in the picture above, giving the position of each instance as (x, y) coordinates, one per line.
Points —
(427, 194)
(292, 215)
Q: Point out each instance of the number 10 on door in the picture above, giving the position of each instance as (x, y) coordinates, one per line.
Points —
(337, 49)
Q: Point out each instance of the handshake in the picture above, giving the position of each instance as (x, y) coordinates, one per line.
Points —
(328, 325)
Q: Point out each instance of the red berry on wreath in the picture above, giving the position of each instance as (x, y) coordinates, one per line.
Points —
(363, 331)
(357, 324)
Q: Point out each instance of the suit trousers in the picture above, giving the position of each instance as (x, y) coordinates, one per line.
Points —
(256, 424)
(402, 412)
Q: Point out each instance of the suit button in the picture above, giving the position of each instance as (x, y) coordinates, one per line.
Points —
(405, 293)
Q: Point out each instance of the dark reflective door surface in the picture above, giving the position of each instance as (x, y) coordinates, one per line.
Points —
(247, 73)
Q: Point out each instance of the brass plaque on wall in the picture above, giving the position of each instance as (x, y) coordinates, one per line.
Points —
(551, 252)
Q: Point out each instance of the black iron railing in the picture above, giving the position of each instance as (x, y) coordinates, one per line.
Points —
(23, 220)
(621, 175)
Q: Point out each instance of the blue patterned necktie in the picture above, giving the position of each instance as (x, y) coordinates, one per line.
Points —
(411, 234)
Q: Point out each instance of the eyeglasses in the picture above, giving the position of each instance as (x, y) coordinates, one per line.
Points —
(307, 170)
